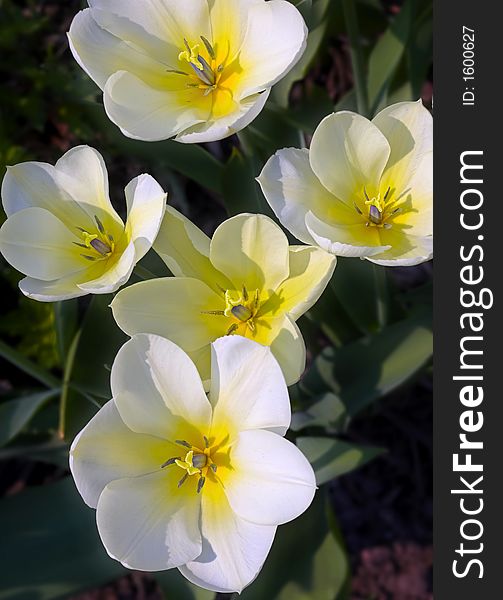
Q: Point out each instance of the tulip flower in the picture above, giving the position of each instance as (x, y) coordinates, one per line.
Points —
(246, 281)
(190, 69)
(364, 188)
(179, 479)
(63, 233)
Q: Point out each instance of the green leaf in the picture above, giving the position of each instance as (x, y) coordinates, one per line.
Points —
(371, 367)
(16, 414)
(175, 587)
(240, 190)
(387, 53)
(306, 561)
(328, 411)
(50, 545)
(354, 285)
(317, 20)
(27, 366)
(331, 458)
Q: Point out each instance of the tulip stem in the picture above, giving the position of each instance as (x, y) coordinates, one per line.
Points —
(381, 286)
(353, 32)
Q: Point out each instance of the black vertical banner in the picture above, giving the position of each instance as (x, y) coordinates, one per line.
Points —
(468, 430)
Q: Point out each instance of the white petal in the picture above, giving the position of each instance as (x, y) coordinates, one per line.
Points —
(140, 26)
(251, 250)
(39, 185)
(271, 481)
(408, 127)
(186, 250)
(348, 154)
(101, 54)
(36, 243)
(310, 271)
(234, 550)
(148, 524)
(289, 350)
(275, 41)
(292, 189)
(106, 450)
(86, 179)
(247, 386)
(167, 21)
(117, 273)
(149, 114)
(345, 240)
(174, 307)
(218, 129)
(53, 291)
(158, 390)
(146, 202)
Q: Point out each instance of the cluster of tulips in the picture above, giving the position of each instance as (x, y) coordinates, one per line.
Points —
(187, 465)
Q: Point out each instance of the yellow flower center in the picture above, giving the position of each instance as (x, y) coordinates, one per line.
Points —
(197, 462)
(205, 71)
(242, 308)
(100, 245)
(380, 209)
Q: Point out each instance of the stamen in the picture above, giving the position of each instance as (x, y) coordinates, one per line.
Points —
(206, 441)
(387, 193)
(87, 257)
(99, 224)
(357, 209)
(183, 480)
(170, 462)
(177, 72)
(257, 299)
(245, 293)
(213, 467)
(200, 484)
(183, 443)
(209, 47)
(218, 313)
(232, 329)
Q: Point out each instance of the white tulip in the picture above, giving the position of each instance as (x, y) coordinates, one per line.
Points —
(63, 232)
(364, 188)
(199, 70)
(183, 480)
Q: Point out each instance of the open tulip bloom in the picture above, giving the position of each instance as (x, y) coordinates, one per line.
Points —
(245, 281)
(63, 233)
(183, 480)
(199, 70)
(363, 189)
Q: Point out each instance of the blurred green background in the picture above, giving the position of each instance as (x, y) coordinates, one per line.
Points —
(363, 408)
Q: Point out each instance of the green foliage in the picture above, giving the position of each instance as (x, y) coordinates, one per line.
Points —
(50, 546)
(307, 560)
(332, 458)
